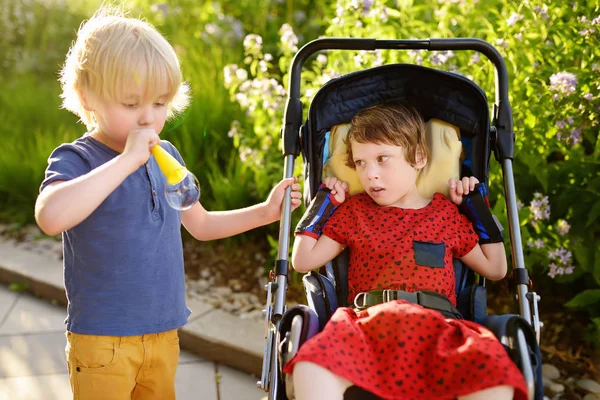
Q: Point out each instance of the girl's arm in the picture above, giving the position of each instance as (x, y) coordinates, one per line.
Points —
(311, 248)
(310, 253)
(488, 260)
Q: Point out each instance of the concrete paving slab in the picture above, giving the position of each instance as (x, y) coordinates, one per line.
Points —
(196, 381)
(42, 274)
(34, 315)
(34, 354)
(7, 301)
(185, 357)
(46, 387)
(235, 385)
(230, 340)
(199, 309)
(211, 333)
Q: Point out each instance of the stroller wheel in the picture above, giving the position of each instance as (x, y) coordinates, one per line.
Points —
(292, 342)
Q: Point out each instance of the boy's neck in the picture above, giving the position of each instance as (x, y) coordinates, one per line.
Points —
(107, 141)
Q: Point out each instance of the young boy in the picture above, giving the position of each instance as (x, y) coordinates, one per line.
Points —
(123, 256)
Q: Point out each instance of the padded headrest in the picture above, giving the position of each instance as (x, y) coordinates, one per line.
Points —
(445, 147)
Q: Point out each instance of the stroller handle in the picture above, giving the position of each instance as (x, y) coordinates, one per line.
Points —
(478, 45)
(502, 110)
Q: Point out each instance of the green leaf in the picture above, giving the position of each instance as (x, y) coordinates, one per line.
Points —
(584, 256)
(596, 271)
(593, 215)
(585, 298)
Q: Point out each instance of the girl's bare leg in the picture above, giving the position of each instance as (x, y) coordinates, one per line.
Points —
(313, 382)
(493, 393)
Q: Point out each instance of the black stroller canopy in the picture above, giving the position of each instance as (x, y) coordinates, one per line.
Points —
(435, 94)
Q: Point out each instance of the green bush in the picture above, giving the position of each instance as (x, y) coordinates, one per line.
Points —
(206, 35)
(553, 58)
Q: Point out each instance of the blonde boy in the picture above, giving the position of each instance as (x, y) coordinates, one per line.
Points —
(123, 255)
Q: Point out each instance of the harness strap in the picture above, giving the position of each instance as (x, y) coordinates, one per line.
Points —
(424, 298)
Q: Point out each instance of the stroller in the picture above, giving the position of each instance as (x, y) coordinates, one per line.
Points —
(437, 95)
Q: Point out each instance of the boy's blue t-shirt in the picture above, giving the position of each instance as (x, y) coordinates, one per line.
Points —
(123, 265)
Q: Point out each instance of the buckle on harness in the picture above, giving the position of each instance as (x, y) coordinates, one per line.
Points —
(388, 295)
(357, 298)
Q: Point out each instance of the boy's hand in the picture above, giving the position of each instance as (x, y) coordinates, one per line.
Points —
(275, 200)
(138, 146)
(338, 188)
(460, 188)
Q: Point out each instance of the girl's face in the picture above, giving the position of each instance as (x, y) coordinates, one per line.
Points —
(385, 174)
(116, 119)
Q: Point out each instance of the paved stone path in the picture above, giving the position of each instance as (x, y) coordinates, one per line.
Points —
(32, 358)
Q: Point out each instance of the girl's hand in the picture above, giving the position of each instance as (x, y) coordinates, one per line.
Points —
(460, 188)
(338, 188)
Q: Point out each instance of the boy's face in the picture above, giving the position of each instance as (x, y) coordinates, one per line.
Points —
(385, 174)
(116, 119)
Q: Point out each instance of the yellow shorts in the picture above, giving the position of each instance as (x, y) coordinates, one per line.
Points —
(123, 367)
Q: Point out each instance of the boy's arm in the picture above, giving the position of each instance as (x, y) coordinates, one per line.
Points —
(488, 260)
(64, 204)
(310, 253)
(204, 225)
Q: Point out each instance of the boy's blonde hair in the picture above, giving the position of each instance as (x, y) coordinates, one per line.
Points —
(394, 124)
(114, 51)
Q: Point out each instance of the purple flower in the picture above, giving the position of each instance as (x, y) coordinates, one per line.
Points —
(541, 11)
(514, 18)
(588, 96)
(560, 124)
(164, 8)
(235, 127)
(563, 82)
(288, 37)
(576, 135)
(561, 262)
(539, 207)
(553, 270)
(520, 204)
(439, 58)
(563, 227)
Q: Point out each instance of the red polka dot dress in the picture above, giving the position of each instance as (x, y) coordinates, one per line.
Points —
(399, 350)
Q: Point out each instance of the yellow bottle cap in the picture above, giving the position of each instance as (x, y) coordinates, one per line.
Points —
(173, 170)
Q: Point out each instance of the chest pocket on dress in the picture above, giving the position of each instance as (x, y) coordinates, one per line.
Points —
(429, 254)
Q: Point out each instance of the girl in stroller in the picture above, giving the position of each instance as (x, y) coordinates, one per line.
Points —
(400, 244)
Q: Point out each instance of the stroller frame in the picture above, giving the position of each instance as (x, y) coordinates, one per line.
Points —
(503, 139)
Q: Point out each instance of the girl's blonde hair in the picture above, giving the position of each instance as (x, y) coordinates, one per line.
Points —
(113, 52)
(394, 124)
